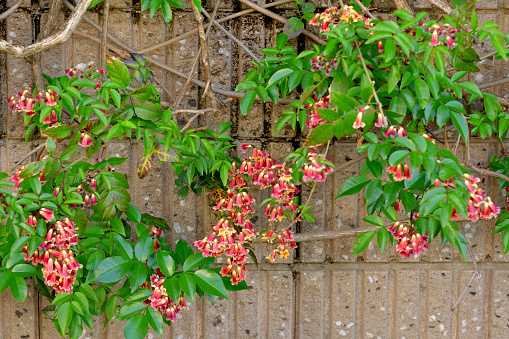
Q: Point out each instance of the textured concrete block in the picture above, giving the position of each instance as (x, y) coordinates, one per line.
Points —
(439, 284)
(374, 313)
(407, 298)
(280, 304)
(311, 319)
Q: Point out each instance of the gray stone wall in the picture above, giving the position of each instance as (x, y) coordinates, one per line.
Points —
(321, 292)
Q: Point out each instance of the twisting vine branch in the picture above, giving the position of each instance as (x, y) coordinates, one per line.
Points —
(11, 10)
(49, 42)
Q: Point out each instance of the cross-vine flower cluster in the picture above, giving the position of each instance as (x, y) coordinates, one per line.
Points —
(55, 253)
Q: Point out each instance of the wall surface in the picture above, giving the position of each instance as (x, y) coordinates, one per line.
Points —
(322, 292)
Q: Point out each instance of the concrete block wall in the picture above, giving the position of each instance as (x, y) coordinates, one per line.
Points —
(321, 291)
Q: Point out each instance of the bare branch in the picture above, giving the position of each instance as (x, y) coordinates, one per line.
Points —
(330, 235)
(104, 36)
(49, 42)
(11, 10)
(443, 6)
(35, 150)
(365, 10)
(194, 31)
(121, 53)
(485, 172)
(494, 83)
(231, 36)
(476, 273)
(231, 94)
(281, 19)
(403, 4)
(204, 52)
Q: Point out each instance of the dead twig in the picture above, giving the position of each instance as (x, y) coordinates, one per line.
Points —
(192, 119)
(442, 5)
(11, 10)
(104, 36)
(51, 41)
(194, 31)
(365, 10)
(204, 53)
(476, 273)
(281, 19)
(485, 172)
(231, 36)
(35, 150)
(403, 4)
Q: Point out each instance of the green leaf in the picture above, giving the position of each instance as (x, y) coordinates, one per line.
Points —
(320, 134)
(144, 247)
(422, 91)
(374, 220)
(362, 242)
(138, 275)
(24, 270)
(279, 76)
(133, 214)
(499, 45)
(155, 319)
(461, 125)
(5, 279)
(343, 102)
(57, 131)
(353, 185)
(398, 157)
(459, 203)
(166, 263)
(382, 238)
(64, 316)
(492, 106)
(123, 246)
(18, 288)
(328, 114)
(247, 101)
(112, 269)
(136, 327)
(109, 308)
(474, 22)
(194, 261)
(210, 283)
(188, 285)
(505, 241)
(130, 309)
(118, 72)
(183, 251)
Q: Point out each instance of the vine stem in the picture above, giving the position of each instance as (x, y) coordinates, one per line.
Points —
(35, 150)
(380, 106)
(11, 10)
(365, 10)
(476, 273)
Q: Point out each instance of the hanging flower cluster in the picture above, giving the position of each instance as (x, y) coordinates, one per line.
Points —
(445, 33)
(87, 190)
(24, 102)
(161, 301)
(55, 253)
(479, 204)
(154, 233)
(395, 131)
(400, 172)
(320, 62)
(334, 15)
(234, 228)
(313, 118)
(409, 241)
(313, 170)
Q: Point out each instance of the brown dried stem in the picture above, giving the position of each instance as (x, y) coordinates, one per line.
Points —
(281, 19)
(11, 10)
(403, 4)
(35, 150)
(365, 10)
(231, 94)
(476, 273)
(194, 31)
(49, 42)
(231, 36)
(443, 6)
(104, 36)
(204, 54)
